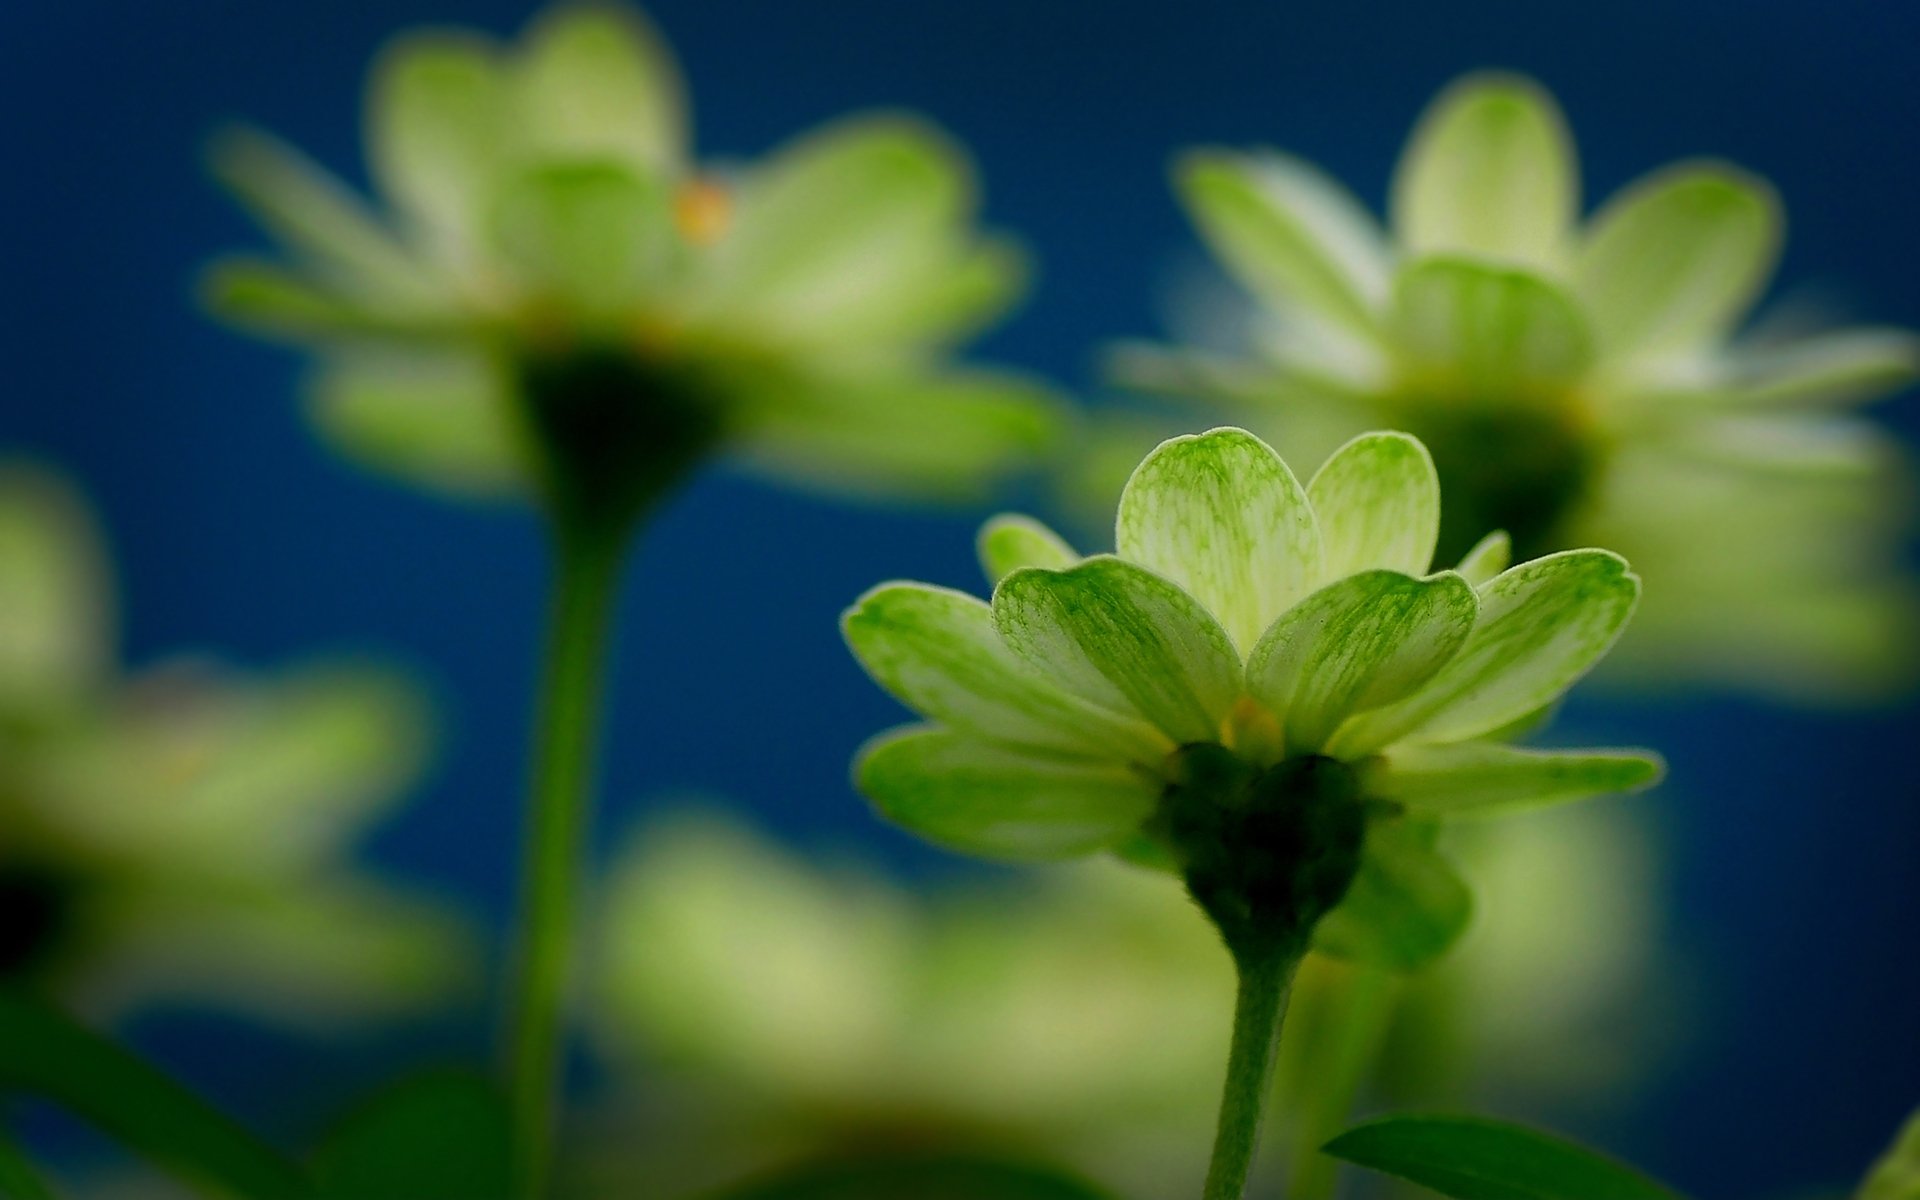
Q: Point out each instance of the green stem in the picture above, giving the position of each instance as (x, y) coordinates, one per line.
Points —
(1266, 975)
(1363, 999)
(586, 577)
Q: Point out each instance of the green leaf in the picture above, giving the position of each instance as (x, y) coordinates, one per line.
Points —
(1489, 556)
(1357, 644)
(437, 115)
(1472, 778)
(592, 234)
(1290, 234)
(437, 1136)
(1377, 502)
(1847, 367)
(1009, 542)
(1678, 257)
(1124, 639)
(934, 1177)
(1897, 1175)
(45, 1055)
(937, 652)
(1485, 333)
(445, 420)
(1000, 801)
(1407, 905)
(1542, 626)
(1490, 170)
(1472, 1158)
(18, 1178)
(1221, 515)
(597, 81)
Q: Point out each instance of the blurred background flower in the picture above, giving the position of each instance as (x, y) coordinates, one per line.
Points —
(183, 834)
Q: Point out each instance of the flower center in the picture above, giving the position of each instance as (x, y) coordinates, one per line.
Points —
(1521, 469)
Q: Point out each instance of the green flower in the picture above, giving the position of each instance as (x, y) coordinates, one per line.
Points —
(1264, 689)
(557, 293)
(1578, 383)
(179, 835)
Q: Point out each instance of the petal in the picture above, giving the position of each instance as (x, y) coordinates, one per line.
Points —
(1009, 542)
(1490, 170)
(999, 801)
(597, 81)
(1125, 639)
(1377, 502)
(317, 218)
(1677, 257)
(590, 234)
(1407, 905)
(445, 420)
(55, 589)
(937, 652)
(1465, 328)
(848, 228)
(1850, 366)
(1472, 778)
(1290, 234)
(1490, 555)
(270, 299)
(1357, 644)
(1221, 515)
(437, 113)
(940, 437)
(1542, 626)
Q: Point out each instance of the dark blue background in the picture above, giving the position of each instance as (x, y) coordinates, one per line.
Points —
(1797, 836)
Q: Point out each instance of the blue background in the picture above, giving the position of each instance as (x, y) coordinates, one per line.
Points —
(1796, 836)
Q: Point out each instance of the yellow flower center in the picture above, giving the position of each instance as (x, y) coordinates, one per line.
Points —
(703, 211)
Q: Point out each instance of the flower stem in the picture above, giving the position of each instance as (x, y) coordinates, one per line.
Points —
(1266, 975)
(586, 578)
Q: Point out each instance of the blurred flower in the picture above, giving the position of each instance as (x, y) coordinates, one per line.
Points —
(1264, 690)
(178, 835)
(1897, 1175)
(556, 277)
(1578, 385)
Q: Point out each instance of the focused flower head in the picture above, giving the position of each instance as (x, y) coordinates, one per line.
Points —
(1264, 689)
(180, 834)
(1578, 383)
(558, 293)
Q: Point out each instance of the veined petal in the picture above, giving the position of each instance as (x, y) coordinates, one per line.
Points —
(992, 799)
(1677, 257)
(597, 81)
(938, 653)
(1010, 541)
(1362, 642)
(590, 233)
(1123, 638)
(1542, 626)
(1377, 502)
(1849, 366)
(1406, 907)
(437, 116)
(1490, 170)
(1221, 515)
(1476, 329)
(1472, 778)
(1289, 233)
(1490, 555)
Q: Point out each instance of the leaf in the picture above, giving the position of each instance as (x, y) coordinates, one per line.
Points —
(44, 1054)
(437, 1136)
(937, 1177)
(1473, 1158)
(1407, 906)
(1377, 502)
(18, 1179)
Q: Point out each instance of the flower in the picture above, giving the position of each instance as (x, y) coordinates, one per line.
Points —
(1263, 689)
(1578, 384)
(178, 835)
(557, 288)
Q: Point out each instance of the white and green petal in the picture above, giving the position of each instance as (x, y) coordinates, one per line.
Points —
(1292, 235)
(1677, 258)
(1490, 170)
(937, 652)
(1489, 556)
(597, 82)
(588, 234)
(1543, 624)
(1479, 777)
(55, 589)
(1844, 367)
(1125, 639)
(1406, 907)
(437, 114)
(443, 419)
(1001, 801)
(1477, 330)
(1222, 516)
(1377, 504)
(1010, 541)
(1354, 645)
